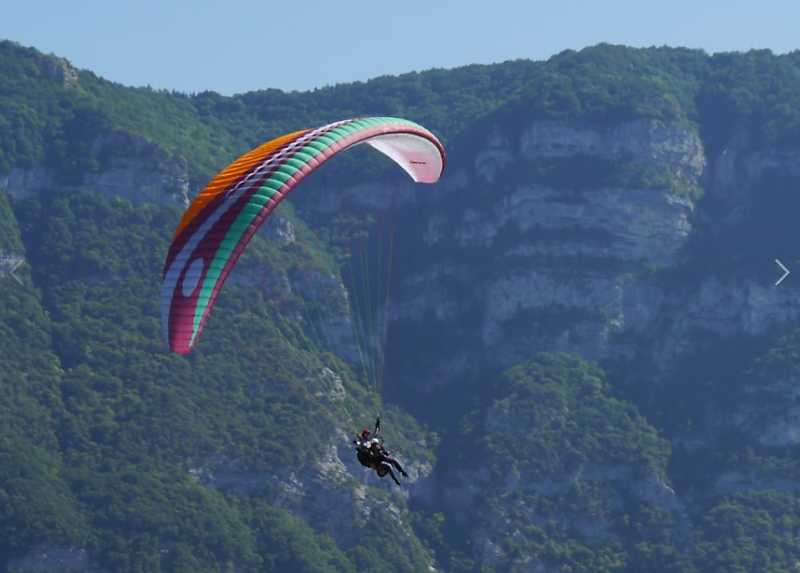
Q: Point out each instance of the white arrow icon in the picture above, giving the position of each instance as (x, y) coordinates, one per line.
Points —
(16, 265)
(786, 272)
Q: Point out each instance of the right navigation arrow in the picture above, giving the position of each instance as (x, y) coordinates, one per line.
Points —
(786, 272)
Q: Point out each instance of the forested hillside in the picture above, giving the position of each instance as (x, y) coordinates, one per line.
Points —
(587, 366)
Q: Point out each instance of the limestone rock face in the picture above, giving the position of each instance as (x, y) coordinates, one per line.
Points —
(137, 170)
(127, 166)
(644, 141)
(61, 70)
(25, 183)
(279, 229)
(606, 242)
(533, 262)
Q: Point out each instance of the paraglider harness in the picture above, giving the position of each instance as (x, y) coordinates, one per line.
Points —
(368, 449)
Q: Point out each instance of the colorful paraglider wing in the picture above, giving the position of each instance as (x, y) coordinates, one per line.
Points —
(225, 215)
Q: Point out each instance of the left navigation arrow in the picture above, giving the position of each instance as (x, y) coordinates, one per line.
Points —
(16, 265)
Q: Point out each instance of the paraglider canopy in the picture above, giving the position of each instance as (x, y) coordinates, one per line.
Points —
(225, 215)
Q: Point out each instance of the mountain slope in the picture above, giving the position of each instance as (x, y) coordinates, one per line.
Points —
(612, 205)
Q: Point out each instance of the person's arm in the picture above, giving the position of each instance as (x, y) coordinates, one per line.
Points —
(377, 425)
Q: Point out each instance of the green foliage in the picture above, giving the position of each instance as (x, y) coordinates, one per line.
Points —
(10, 241)
(35, 502)
(608, 84)
(286, 543)
(141, 514)
(754, 532)
(756, 92)
(104, 425)
(389, 549)
(558, 457)
(560, 406)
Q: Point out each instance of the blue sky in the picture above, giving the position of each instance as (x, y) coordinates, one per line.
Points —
(239, 45)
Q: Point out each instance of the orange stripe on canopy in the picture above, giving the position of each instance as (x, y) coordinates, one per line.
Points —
(231, 174)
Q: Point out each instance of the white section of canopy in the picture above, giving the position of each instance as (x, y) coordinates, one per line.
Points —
(418, 156)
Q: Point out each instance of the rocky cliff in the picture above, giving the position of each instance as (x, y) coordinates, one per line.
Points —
(584, 308)
(627, 244)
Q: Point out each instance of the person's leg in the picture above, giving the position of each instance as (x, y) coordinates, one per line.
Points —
(397, 466)
(386, 468)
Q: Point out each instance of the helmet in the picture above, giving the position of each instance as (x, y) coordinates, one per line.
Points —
(365, 433)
